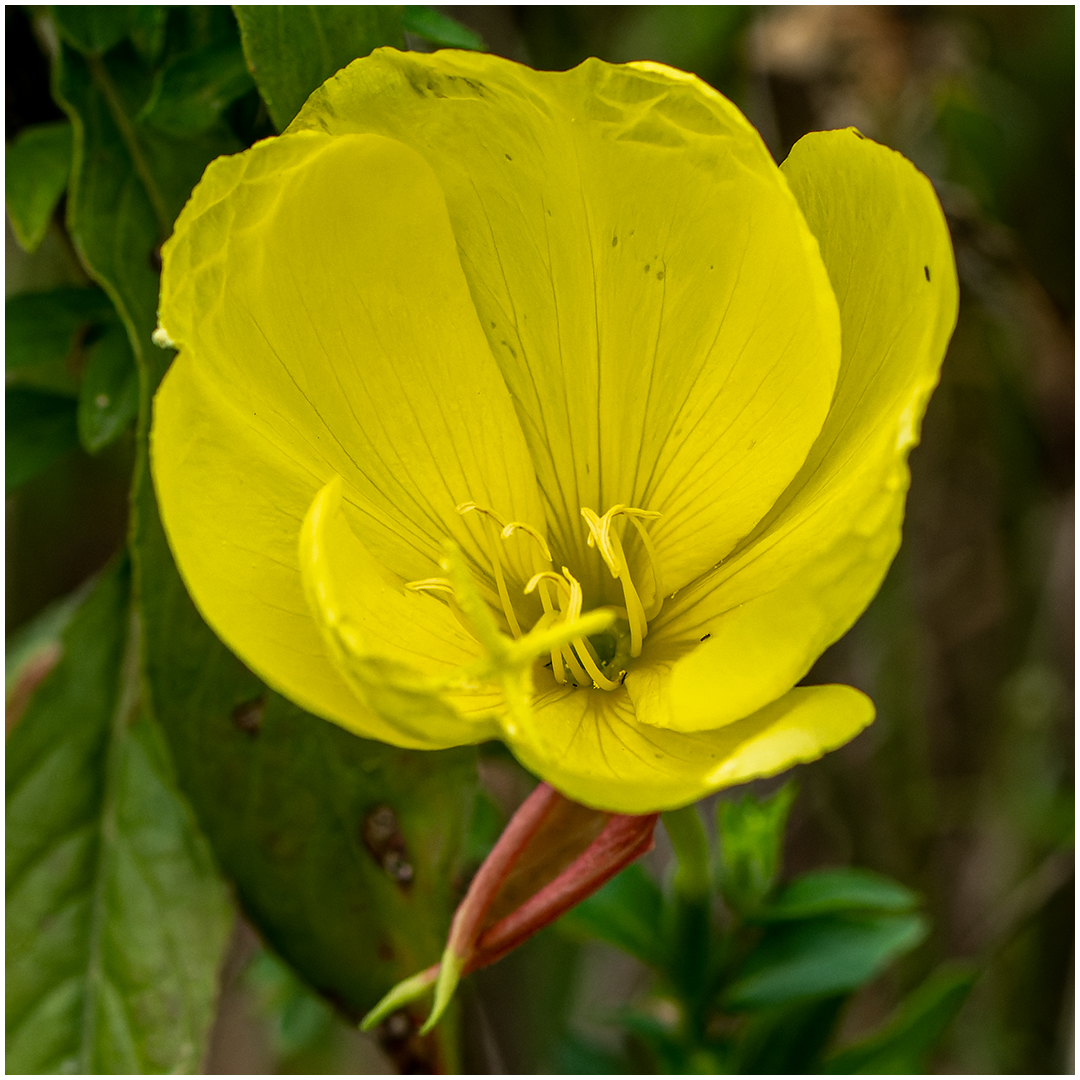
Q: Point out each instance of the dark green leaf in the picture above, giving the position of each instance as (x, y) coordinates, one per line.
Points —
(667, 1047)
(192, 91)
(845, 889)
(43, 332)
(819, 957)
(751, 843)
(574, 1056)
(301, 1019)
(903, 1044)
(41, 427)
(788, 1040)
(344, 852)
(293, 50)
(485, 825)
(40, 634)
(93, 29)
(37, 165)
(438, 28)
(147, 30)
(128, 182)
(626, 913)
(109, 396)
(116, 920)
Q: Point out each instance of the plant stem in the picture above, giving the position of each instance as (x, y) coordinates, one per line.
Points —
(687, 834)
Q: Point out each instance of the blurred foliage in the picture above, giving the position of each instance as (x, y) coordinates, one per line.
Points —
(752, 977)
(961, 791)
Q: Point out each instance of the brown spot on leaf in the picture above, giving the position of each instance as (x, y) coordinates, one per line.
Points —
(248, 715)
(382, 836)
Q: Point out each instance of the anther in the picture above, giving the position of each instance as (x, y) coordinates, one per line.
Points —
(529, 531)
(445, 587)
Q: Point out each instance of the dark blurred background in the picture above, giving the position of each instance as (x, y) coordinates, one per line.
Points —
(963, 786)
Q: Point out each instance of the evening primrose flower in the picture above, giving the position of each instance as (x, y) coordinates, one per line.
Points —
(544, 407)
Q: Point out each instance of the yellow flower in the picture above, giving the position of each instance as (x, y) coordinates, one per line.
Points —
(545, 407)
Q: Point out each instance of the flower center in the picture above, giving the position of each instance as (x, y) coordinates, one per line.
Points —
(598, 661)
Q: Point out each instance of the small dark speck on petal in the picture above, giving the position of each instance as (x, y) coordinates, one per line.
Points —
(706, 637)
(659, 275)
(614, 241)
(926, 271)
(648, 267)
(492, 326)
(508, 157)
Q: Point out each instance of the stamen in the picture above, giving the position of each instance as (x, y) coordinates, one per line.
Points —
(635, 610)
(431, 584)
(491, 522)
(535, 534)
(443, 585)
(542, 579)
(654, 566)
(595, 675)
(603, 537)
(581, 677)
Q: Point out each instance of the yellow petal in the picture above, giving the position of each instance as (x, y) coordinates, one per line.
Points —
(393, 646)
(236, 543)
(593, 748)
(315, 282)
(322, 334)
(811, 567)
(646, 281)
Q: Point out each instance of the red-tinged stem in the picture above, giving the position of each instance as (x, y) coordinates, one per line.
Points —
(624, 838)
(485, 886)
(476, 938)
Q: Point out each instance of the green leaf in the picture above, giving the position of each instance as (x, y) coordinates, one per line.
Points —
(788, 1040)
(128, 181)
(116, 920)
(41, 634)
(36, 169)
(625, 913)
(43, 332)
(147, 30)
(439, 29)
(845, 889)
(94, 29)
(192, 91)
(751, 844)
(292, 50)
(109, 396)
(41, 427)
(905, 1042)
(820, 957)
(345, 853)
